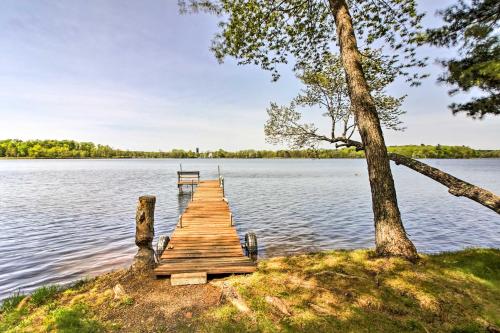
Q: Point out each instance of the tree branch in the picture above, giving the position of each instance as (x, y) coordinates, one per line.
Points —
(456, 186)
(348, 143)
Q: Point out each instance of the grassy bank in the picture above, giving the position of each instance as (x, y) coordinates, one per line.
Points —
(334, 291)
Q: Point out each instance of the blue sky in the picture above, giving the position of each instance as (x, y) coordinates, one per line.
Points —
(137, 75)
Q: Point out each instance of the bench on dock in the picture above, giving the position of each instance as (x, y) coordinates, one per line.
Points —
(188, 178)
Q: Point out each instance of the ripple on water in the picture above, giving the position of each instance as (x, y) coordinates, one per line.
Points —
(64, 220)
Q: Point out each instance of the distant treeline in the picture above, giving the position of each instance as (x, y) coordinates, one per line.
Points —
(73, 149)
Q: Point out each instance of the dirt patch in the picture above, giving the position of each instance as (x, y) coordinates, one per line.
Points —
(153, 305)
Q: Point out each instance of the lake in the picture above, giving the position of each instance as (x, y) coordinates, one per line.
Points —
(61, 220)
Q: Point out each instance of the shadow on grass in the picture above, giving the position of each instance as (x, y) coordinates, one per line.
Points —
(336, 291)
(350, 291)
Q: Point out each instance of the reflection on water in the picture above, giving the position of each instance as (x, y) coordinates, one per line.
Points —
(183, 199)
(65, 219)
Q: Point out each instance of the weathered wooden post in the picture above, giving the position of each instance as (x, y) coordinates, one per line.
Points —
(192, 189)
(144, 233)
(222, 185)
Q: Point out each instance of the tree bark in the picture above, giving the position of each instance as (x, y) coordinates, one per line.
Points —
(144, 233)
(456, 186)
(390, 235)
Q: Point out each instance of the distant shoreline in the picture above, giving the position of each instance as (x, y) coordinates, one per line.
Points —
(230, 158)
(70, 149)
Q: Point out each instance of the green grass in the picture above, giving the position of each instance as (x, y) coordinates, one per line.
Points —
(44, 295)
(333, 291)
(351, 291)
(11, 302)
(73, 319)
(127, 300)
(42, 300)
(78, 284)
(480, 263)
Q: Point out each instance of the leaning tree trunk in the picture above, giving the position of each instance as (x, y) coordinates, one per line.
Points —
(390, 235)
(456, 186)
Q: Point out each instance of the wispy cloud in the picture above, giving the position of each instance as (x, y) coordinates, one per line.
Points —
(138, 75)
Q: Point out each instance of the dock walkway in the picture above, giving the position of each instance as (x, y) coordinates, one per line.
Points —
(205, 239)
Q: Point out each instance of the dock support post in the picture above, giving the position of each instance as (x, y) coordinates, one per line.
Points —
(179, 186)
(222, 185)
(144, 260)
(192, 190)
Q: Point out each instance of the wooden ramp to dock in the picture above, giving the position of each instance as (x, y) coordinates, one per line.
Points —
(207, 241)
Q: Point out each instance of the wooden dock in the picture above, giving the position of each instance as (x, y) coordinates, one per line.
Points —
(205, 239)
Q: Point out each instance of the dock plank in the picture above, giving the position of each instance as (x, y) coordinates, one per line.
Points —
(206, 242)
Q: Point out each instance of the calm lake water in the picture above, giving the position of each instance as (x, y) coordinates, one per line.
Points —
(61, 220)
